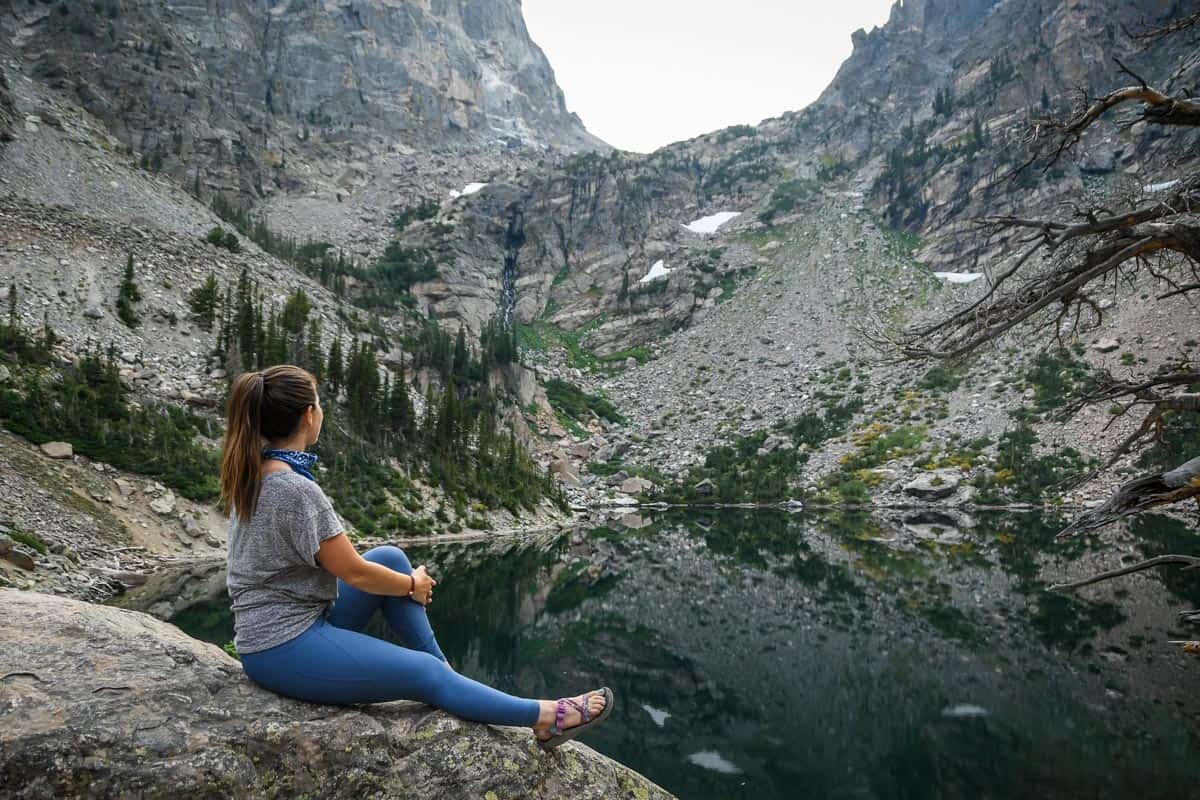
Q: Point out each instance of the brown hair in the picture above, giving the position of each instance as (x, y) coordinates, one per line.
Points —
(263, 406)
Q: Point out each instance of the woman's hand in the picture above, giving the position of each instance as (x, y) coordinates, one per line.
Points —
(337, 555)
(422, 586)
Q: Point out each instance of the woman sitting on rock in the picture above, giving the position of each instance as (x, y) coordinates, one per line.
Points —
(302, 594)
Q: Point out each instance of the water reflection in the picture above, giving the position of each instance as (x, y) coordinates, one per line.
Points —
(765, 655)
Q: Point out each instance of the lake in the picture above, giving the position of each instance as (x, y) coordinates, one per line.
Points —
(757, 654)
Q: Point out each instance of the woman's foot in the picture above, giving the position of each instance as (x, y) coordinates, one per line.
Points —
(594, 704)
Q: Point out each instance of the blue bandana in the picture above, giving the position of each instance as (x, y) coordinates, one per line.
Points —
(301, 461)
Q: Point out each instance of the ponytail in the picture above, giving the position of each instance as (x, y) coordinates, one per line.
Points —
(263, 406)
(241, 461)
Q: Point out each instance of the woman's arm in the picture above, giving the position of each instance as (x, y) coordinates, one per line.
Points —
(338, 555)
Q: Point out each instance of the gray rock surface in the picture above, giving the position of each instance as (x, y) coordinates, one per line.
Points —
(106, 702)
(58, 449)
(243, 90)
(934, 485)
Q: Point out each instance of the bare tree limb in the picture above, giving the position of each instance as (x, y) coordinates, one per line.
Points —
(1191, 562)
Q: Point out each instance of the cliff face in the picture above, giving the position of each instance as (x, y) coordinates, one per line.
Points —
(226, 95)
(924, 119)
(108, 702)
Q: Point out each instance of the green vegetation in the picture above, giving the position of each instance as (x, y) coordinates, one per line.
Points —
(1057, 377)
(87, 406)
(879, 443)
(1178, 442)
(1022, 476)
(942, 379)
(543, 335)
(426, 209)
(748, 165)
(219, 237)
(30, 540)
(313, 258)
(740, 473)
(127, 296)
(455, 445)
(399, 268)
(203, 301)
(831, 167)
(786, 197)
(943, 101)
(578, 404)
(910, 162)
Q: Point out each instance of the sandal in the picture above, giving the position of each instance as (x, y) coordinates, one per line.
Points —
(558, 735)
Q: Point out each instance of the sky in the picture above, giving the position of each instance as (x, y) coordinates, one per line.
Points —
(645, 73)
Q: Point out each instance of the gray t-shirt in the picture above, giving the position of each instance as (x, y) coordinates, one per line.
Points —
(277, 587)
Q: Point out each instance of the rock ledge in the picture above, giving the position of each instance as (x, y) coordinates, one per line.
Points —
(97, 701)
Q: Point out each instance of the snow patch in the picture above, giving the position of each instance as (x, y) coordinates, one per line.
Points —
(959, 277)
(711, 759)
(1158, 187)
(658, 715)
(470, 188)
(710, 223)
(656, 271)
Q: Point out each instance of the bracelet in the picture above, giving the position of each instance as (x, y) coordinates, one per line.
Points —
(412, 588)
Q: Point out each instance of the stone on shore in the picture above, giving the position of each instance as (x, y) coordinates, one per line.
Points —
(934, 485)
(100, 701)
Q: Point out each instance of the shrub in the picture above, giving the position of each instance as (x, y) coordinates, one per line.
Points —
(29, 540)
(577, 404)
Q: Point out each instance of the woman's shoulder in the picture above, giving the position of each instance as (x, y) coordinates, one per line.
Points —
(297, 492)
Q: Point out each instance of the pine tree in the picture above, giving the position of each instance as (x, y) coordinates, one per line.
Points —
(203, 301)
(295, 312)
(273, 347)
(334, 371)
(49, 337)
(12, 304)
(400, 409)
(461, 357)
(362, 388)
(244, 322)
(313, 360)
(429, 422)
(127, 296)
(260, 333)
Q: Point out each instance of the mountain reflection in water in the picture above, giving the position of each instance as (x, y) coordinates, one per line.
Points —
(764, 655)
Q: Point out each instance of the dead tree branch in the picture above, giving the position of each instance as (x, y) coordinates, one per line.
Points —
(1141, 494)
(1190, 562)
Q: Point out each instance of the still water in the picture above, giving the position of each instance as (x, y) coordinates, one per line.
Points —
(763, 655)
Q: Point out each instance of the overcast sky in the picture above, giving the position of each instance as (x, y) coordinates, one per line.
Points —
(645, 73)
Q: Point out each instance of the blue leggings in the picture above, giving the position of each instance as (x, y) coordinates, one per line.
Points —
(332, 662)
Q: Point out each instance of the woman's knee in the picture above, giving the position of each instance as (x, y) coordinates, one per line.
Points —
(389, 556)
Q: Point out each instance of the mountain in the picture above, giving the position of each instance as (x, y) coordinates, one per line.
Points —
(428, 143)
(225, 94)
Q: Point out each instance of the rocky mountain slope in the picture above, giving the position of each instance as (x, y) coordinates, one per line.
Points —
(915, 137)
(712, 288)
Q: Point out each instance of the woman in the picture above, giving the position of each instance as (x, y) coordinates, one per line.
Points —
(302, 594)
